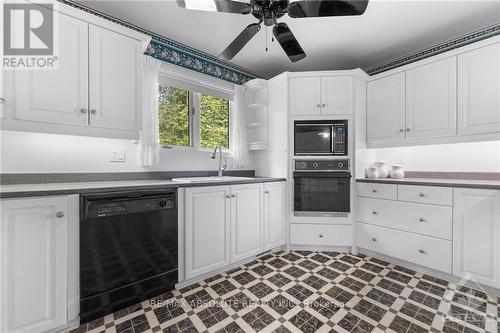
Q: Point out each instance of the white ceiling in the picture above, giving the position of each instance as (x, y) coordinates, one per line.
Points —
(387, 30)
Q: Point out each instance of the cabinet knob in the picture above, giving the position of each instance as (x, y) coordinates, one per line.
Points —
(93, 111)
(83, 110)
(320, 235)
(374, 191)
(228, 196)
(421, 195)
(374, 212)
(233, 195)
(421, 251)
(374, 239)
(318, 105)
(266, 191)
(407, 129)
(323, 105)
(401, 130)
(2, 100)
(60, 214)
(421, 219)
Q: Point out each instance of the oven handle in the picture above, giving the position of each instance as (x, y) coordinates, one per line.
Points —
(327, 174)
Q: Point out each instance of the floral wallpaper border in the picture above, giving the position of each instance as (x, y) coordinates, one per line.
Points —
(440, 48)
(179, 54)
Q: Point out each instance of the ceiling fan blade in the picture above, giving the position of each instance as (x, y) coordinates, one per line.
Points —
(288, 42)
(240, 41)
(322, 8)
(223, 6)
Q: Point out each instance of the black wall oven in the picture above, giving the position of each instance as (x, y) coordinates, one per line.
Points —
(321, 188)
(320, 137)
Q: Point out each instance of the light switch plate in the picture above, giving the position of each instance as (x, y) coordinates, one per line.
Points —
(117, 156)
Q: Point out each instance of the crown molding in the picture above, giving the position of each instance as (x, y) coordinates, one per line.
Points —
(474, 37)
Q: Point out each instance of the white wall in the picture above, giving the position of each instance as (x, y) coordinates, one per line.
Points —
(38, 153)
(463, 157)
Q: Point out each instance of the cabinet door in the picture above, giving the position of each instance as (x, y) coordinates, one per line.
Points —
(246, 221)
(386, 109)
(431, 100)
(305, 96)
(33, 295)
(115, 80)
(478, 91)
(207, 226)
(336, 95)
(57, 96)
(2, 94)
(274, 215)
(476, 235)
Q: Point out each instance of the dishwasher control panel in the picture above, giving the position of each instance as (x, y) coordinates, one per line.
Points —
(125, 206)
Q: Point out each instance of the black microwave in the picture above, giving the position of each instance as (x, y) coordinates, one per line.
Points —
(320, 137)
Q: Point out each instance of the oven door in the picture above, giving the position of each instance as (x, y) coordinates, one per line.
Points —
(313, 139)
(321, 193)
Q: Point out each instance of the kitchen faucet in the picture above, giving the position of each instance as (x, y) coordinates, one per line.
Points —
(221, 166)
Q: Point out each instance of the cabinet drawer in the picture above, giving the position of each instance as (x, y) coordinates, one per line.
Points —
(323, 235)
(426, 194)
(422, 250)
(423, 219)
(379, 191)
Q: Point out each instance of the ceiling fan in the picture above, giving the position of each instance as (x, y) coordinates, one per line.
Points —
(269, 11)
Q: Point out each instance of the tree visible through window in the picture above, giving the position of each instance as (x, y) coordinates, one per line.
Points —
(174, 116)
(214, 122)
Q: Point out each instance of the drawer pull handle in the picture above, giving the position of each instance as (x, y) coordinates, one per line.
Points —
(374, 239)
(421, 219)
(374, 212)
(421, 251)
(228, 196)
(421, 195)
(374, 191)
(59, 214)
(320, 235)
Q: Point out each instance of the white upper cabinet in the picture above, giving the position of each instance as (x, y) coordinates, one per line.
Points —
(431, 100)
(386, 109)
(115, 79)
(336, 95)
(33, 239)
(479, 91)
(476, 235)
(246, 221)
(57, 96)
(326, 95)
(305, 95)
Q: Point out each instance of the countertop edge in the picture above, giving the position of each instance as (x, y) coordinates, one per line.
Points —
(483, 184)
(55, 192)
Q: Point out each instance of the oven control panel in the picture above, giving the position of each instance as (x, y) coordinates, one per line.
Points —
(322, 165)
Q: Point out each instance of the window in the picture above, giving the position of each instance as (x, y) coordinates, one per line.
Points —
(214, 122)
(205, 127)
(174, 119)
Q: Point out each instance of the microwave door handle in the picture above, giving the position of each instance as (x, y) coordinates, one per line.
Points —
(332, 140)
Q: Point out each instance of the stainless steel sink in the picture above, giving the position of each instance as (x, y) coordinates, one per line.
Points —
(210, 179)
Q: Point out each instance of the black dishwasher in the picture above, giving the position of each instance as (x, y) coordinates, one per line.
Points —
(128, 249)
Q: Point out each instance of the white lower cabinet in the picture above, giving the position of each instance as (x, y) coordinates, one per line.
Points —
(225, 224)
(37, 236)
(274, 215)
(246, 221)
(422, 250)
(476, 235)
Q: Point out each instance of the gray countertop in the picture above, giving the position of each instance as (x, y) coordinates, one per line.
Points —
(46, 189)
(446, 182)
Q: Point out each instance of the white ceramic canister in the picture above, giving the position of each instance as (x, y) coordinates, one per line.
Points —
(382, 168)
(372, 173)
(397, 172)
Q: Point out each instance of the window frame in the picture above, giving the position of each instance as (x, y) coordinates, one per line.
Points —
(194, 105)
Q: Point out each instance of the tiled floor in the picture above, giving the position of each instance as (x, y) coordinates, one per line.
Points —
(309, 292)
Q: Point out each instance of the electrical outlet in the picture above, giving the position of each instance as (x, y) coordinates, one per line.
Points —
(117, 156)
